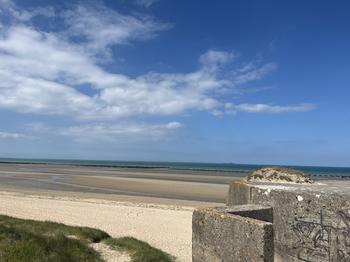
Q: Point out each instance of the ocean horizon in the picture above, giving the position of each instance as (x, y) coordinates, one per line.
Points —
(194, 166)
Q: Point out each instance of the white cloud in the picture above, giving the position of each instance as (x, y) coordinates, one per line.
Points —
(146, 3)
(120, 129)
(265, 108)
(213, 59)
(174, 125)
(41, 72)
(33, 63)
(102, 27)
(111, 132)
(7, 135)
(9, 9)
(253, 72)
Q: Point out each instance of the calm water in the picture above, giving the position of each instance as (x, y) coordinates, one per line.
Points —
(311, 170)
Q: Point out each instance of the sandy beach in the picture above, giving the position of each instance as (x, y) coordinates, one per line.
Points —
(153, 205)
(165, 227)
(118, 183)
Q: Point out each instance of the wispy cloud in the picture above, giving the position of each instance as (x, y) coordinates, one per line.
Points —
(146, 3)
(212, 60)
(9, 135)
(118, 130)
(33, 63)
(9, 10)
(265, 108)
(253, 73)
(102, 27)
(111, 132)
(41, 71)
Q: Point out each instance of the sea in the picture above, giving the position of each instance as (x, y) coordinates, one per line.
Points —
(214, 167)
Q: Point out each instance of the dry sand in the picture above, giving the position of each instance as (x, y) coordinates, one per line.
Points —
(166, 227)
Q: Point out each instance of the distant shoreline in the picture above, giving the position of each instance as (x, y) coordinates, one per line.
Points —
(123, 166)
(181, 166)
(229, 168)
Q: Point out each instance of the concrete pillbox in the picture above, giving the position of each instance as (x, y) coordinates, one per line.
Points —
(236, 233)
(311, 222)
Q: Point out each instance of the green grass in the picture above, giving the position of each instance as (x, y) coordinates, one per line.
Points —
(140, 251)
(50, 229)
(33, 241)
(287, 170)
(21, 245)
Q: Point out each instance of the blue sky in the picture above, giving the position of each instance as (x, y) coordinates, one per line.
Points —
(264, 82)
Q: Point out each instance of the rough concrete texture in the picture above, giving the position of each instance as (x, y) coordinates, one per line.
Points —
(240, 233)
(279, 175)
(239, 193)
(311, 222)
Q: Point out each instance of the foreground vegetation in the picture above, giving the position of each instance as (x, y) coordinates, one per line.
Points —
(28, 240)
(139, 250)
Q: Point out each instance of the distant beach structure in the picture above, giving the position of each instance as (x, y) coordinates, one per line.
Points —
(279, 175)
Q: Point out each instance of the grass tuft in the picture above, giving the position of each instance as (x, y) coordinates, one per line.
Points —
(51, 228)
(24, 246)
(34, 241)
(139, 251)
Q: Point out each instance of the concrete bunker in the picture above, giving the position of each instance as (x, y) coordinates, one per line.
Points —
(231, 233)
(310, 222)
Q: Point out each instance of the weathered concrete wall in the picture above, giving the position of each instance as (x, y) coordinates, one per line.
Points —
(239, 233)
(311, 222)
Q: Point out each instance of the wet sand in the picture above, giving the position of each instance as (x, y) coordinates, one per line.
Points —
(154, 185)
